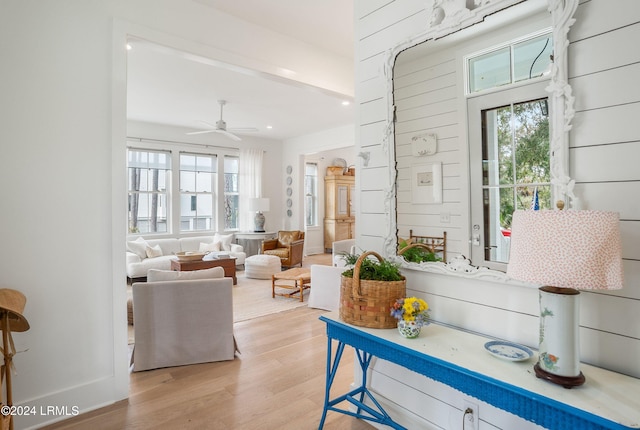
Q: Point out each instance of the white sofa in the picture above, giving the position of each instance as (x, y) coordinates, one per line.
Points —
(140, 258)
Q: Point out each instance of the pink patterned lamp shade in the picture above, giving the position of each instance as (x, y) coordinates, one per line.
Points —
(567, 249)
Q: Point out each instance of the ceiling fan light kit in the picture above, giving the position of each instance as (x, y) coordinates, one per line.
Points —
(221, 126)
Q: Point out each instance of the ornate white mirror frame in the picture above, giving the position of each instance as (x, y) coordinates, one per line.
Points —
(448, 17)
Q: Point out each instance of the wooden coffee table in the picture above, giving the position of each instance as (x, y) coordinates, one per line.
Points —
(228, 264)
(298, 279)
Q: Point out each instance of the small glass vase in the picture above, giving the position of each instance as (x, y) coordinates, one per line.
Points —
(409, 329)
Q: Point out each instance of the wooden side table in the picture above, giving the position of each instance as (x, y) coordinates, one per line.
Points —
(228, 264)
(301, 277)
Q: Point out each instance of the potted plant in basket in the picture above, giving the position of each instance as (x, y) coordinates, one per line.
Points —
(368, 289)
(412, 314)
(381, 270)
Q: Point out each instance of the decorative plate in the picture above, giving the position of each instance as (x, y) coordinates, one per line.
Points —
(289, 192)
(289, 213)
(508, 350)
(289, 203)
(289, 180)
(289, 170)
(339, 162)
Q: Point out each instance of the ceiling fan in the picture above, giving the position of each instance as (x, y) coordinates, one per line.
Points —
(221, 126)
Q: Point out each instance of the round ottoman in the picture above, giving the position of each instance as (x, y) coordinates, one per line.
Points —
(261, 266)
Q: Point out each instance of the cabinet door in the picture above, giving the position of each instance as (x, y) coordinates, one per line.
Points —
(342, 230)
(343, 201)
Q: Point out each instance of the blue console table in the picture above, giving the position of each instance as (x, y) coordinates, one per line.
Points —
(608, 400)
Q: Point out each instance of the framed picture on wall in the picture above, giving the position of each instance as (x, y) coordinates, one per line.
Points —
(426, 183)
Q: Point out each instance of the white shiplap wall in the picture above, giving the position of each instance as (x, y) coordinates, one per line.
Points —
(605, 151)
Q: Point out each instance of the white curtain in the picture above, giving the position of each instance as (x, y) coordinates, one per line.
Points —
(250, 184)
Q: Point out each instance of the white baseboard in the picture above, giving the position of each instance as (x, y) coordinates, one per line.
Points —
(66, 404)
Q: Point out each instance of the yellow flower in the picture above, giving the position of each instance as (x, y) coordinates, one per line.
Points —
(410, 309)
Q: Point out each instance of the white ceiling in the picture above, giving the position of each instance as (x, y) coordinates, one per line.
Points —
(169, 87)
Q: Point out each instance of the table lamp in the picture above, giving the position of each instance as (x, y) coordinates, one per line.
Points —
(564, 251)
(258, 205)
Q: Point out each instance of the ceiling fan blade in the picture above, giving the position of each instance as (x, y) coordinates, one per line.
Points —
(201, 132)
(243, 129)
(229, 135)
(208, 124)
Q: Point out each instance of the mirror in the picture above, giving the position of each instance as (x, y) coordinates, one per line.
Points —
(422, 134)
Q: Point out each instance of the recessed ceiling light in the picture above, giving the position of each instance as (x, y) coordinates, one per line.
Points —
(346, 103)
(269, 127)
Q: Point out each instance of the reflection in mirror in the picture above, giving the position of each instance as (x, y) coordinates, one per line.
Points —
(432, 76)
(515, 172)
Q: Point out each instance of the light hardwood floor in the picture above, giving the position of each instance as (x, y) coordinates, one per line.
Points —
(277, 382)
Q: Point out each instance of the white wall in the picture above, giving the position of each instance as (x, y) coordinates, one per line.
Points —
(63, 169)
(604, 149)
(314, 239)
(330, 144)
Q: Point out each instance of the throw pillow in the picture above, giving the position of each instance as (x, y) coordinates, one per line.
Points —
(156, 275)
(138, 247)
(154, 251)
(225, 241)
(209, 247)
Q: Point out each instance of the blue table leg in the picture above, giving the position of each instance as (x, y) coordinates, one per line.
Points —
(377, 415)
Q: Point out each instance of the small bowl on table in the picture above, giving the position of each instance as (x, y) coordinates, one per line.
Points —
(189, 256)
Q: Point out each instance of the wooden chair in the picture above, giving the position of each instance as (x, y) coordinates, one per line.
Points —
(434, 244)
(288, 246)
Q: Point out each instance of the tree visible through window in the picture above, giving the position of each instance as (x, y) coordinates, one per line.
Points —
(197, 182)
(508, 114)
(231, 196)
(515, 160)
(148, 178)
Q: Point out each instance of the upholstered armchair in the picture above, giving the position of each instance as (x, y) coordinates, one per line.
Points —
(341, 247)
(288, 246)
(182, 318)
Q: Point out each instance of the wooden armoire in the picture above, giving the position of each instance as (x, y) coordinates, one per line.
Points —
(339, 215)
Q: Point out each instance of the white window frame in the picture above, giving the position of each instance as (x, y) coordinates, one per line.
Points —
(173, 184)
(161, 194)
(313, 196)
(196, 193)
(475, 106)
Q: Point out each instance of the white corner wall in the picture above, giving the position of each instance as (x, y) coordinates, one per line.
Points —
(63, 169)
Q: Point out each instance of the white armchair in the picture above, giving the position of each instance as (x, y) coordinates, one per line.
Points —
(339, 247)
(182, 322)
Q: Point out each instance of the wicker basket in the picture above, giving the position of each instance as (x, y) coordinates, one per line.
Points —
(368, 303)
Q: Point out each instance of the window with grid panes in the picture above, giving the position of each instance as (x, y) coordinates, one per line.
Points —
(149, 174)
(197, 196)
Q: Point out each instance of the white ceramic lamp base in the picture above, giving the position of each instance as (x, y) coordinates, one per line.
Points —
(259, 223)
(559, 352)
